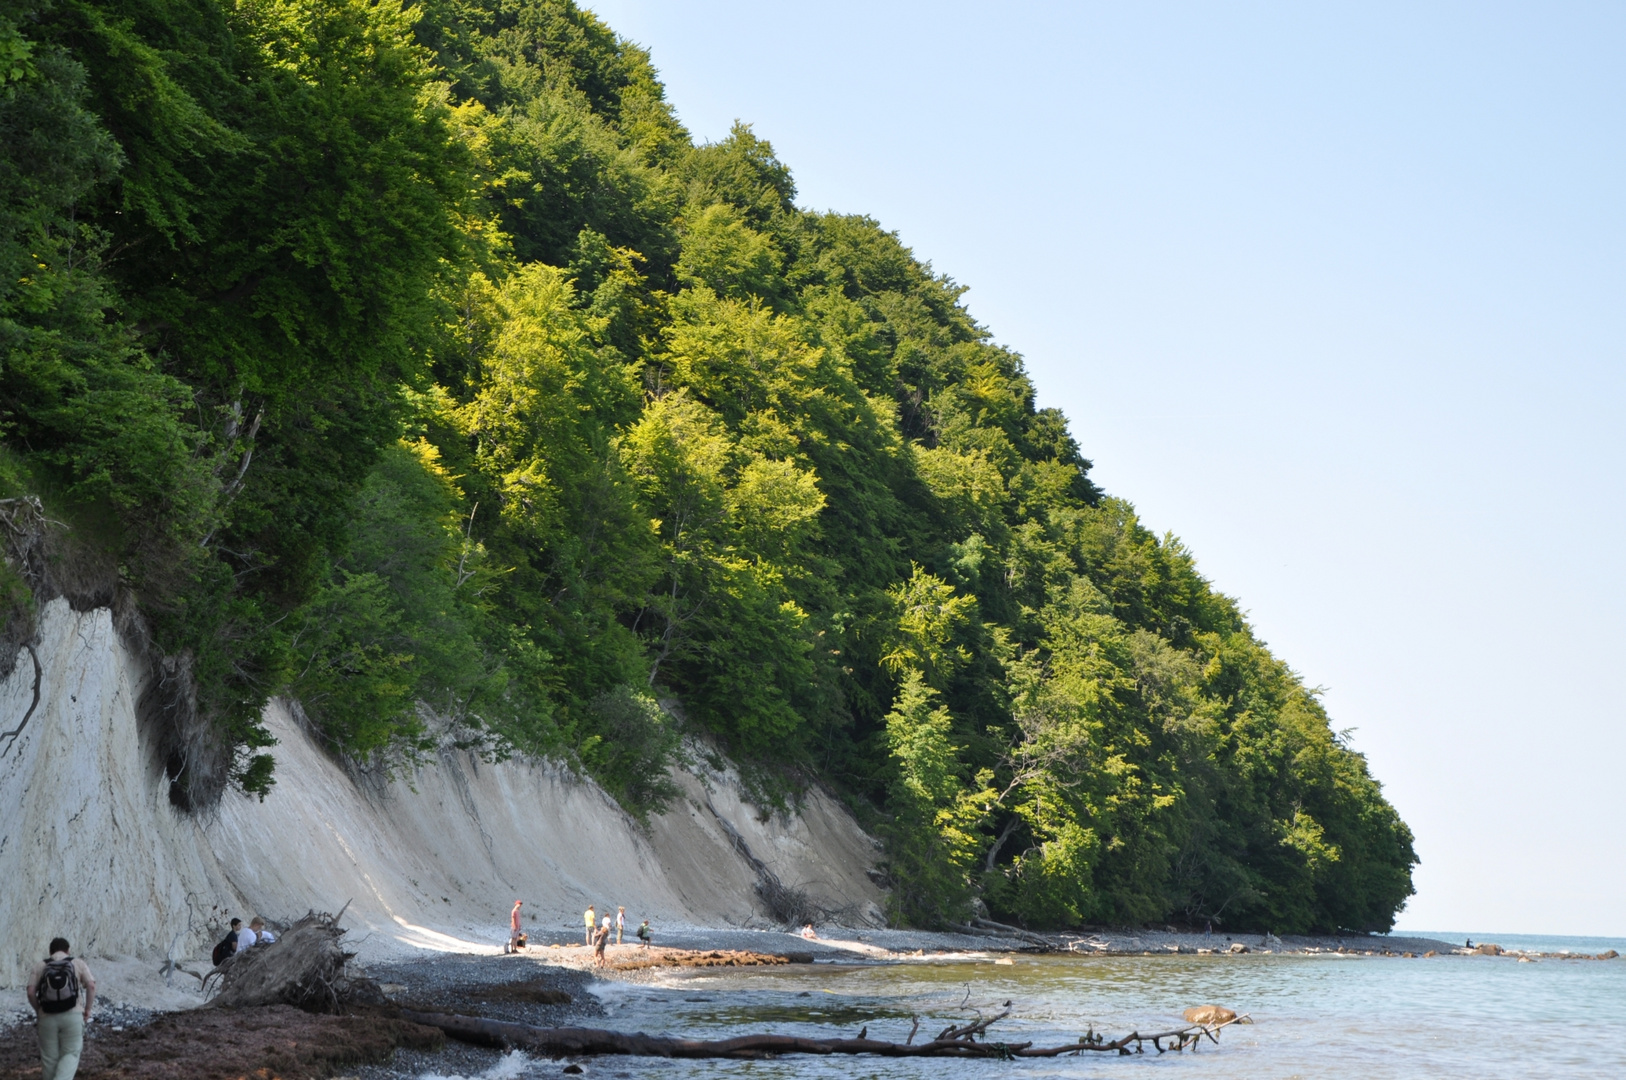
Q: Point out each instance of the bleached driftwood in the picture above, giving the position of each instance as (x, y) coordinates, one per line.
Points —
(967, 1041)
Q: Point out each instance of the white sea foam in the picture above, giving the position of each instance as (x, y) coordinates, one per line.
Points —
(512, 1066)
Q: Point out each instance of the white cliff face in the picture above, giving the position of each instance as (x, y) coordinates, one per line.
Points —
(91, 848)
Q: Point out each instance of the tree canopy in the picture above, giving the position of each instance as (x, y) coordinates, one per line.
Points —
(416, 363)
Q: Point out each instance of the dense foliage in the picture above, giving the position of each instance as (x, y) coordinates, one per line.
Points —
(418, 365)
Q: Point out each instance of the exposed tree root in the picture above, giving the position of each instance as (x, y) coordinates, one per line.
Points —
(304, 968)
(967, 1041)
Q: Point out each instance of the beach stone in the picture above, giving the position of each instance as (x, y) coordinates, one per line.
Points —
(1430, 953)
(1610, 955)
(1488, 949)
(1209, 1014)
(1238, 947)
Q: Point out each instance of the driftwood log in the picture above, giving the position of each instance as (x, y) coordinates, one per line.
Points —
(305, 968)
(1025, 941)
(967, 1041)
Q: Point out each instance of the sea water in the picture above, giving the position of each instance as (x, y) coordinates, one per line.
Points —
(1313, 1015)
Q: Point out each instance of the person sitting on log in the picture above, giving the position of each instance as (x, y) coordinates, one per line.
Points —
(228, 944)
(262, 936)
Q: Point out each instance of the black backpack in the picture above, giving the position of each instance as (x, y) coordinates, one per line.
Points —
(227, 946)
(58, 988)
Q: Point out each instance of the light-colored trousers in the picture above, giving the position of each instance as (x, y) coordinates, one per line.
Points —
(62, 1039)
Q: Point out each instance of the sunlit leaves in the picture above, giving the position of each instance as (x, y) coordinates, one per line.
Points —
(932, 627)
(720, 252)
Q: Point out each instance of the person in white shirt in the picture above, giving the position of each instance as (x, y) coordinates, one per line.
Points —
(261, 934)
(247, 938)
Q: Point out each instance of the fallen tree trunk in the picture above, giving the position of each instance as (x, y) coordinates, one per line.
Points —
(951, 1042)
(1020, 944)
(1014, 931)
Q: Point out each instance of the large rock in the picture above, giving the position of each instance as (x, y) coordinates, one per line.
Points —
(1209, 1015)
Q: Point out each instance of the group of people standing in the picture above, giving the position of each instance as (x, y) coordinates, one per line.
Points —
(597, 933)
(598, 936)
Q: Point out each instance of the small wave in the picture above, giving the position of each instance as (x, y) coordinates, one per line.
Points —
(511, 1067)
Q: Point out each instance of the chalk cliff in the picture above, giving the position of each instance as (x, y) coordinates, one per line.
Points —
(91, 848)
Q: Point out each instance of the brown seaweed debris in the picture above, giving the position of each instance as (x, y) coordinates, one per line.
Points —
(528, 993)
(274, 1042)
(697, 958)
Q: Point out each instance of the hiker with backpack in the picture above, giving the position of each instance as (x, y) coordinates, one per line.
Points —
(54, 989)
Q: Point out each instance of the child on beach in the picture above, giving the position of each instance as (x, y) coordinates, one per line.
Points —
(601, 939)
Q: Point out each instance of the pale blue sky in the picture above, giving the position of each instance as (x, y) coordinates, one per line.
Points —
(1337, 293)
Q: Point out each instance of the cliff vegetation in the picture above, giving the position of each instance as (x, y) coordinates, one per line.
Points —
(416, 363)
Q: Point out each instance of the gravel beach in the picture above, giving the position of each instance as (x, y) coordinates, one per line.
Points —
(551, 983)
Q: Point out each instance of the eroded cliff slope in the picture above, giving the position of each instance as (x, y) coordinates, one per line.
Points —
(91, 848)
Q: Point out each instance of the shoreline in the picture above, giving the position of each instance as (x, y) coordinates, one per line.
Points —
(129, 983)
(553, 984)
(851, 944)
(134, 983)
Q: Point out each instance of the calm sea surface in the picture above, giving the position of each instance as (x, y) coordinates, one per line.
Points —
(1315, 1016)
